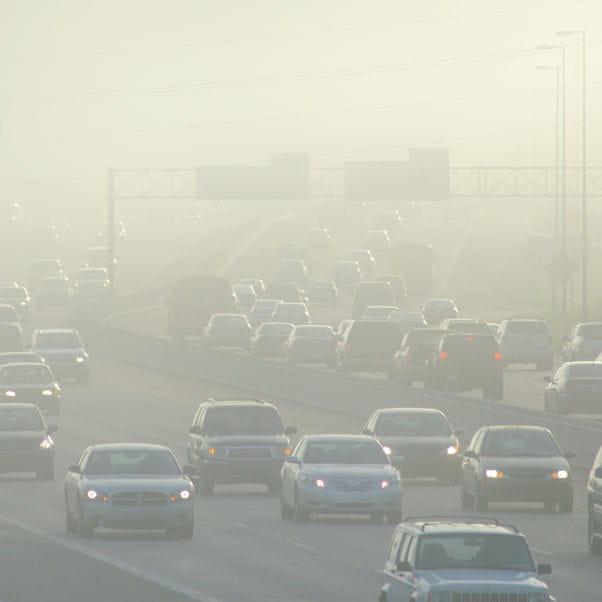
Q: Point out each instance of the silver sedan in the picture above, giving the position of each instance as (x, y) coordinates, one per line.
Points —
(129, 486)
(340, 474)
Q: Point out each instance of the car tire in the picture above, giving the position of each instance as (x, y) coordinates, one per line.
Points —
(300, 514)
(566, 502)
(466, 499)
(594, 543)
(481, 503)
(45, 473)
(186, 531)
(286, 511)
(70, 523)
(274, 487)
(84, 530)
(394, 518)
(206, 485)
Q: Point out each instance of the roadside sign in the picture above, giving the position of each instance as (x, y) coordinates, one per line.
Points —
(562, 268)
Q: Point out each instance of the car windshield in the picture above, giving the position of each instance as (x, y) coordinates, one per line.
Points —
(423, 338)
(529, 327)
(439, 304)
(242, 419)
(298, 308)
(62, 340)
(8, 314)
(412, 425)
(221, 319)
(20, 419)
(508, 443)
(474, 551)
(469, 327)
(265, 304)
(54, 283)
(345, 452)
(13, 293)
(275, 328)
(25, 373)
(131, 462)
(591, 331)
(584, 371)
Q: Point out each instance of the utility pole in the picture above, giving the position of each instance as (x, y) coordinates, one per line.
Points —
(111, 232)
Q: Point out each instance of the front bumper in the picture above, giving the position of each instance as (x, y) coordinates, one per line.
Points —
(331, 501)
(104, 514)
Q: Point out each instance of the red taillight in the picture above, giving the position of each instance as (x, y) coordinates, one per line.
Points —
(470, 338)
(443, 355)
(410, 355)
(497, 355)
(347, 346)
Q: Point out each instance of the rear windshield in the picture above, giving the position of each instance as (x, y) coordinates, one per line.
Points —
(60, 340)
(584, 371)
(273, 328)
(468, 343)
(242, 419)
(374, 335)
(228, 319)
(20, 419)
(466, 327)
(412, 425)
(420, 338)
(345, 452)
(531, 327)
(591, 331)
(315, 332)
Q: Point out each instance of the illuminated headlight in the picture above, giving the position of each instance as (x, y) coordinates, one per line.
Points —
(281, 451)
(387, 450)
(93, 496)
(451, 450)
(441, 597)
(46, 443)
(491, 473)
(181, 496)
(22, 303)
(10, 393)
(386, 484)
(538, 598)
(105, 284)
(319, 483)
(80, 359)
(560, 474)
(216, 452)
(47, 392)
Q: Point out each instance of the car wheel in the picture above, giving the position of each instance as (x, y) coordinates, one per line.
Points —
(285, 510)
(301, 514)
(84, 530)
(466, 499)
(70, 524)
(186, 531)
(206, 484)
(274, 487)
(593, 538)
(565, 503)
(394, 518)
(481, 503)
(46, 473)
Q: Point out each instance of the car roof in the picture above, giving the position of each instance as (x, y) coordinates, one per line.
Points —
(128, 446)
(55, 331)
(458, 525)
(19, 406)
(409, 411)
(515, 427)
(222, 401)
(582, 363)
(24, 364)
(338, 437)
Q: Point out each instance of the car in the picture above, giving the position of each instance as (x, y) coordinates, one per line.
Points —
(323, 291)
(227, 330)
(63, 350)
(584, 342)
(340, 474)
(262, 311)
(30, 382)
(463, 362)
(436, 310)
(91, 283)
(54, 292)
(257, 284)
(318, 238)
(9, 315)
(399, 289)
(120, 231)
(417, 346)
(299, 250)
(235, 441)
(285, 291)
(98, 257)
(526, 342)
(378, 312)
(424, 439)
(313, 344)
(576, 387)
(245, 295)
(389, 220)
(465, 326)
(408, 320)
(295, 313)
(368, 345)
(19, 298)
(129, 486)
(293, 270)
(516, 463)
(457, 559)
(269, 339)
(493, 327)
(371, 292)
(11, 337)
(346, 275)
(44, 268)
(365, 260)
(377, 242)
(594, 506)
(26, 443)
(17, 357)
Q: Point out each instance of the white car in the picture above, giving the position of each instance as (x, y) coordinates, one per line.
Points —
(129, 486)
(63, 350)
(91, 283)
(295, 313)
(340, 474)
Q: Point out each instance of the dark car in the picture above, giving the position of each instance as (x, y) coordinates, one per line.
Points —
(54, 292)
(257, 284)
(319, 239)
(269, 339)
(31, 383)
(238, 441)
(584, 343)
(436, 310)
(594, 506)
(424, 439)
(576, 387)
(368, 346)
(26, 444)
(227, 330)
(245, 296)
(11, 337)
(18, 297)
(285, 291)
(371, 292)
(311, 345)
(323, 291)
(516, 464)
(416, 347)
(346, 275)
(399, 289)
(465, 362)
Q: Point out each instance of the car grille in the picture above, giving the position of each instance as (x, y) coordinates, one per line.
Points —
(353, 485)
(476, 597)
(139, 498)
(250, 453)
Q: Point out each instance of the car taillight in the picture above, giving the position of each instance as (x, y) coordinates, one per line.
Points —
(497, 355)
(410, 355)
(443, 355)
(347, 346)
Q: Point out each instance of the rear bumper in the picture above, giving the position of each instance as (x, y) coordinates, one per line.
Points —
(25, 461)
(242, 471)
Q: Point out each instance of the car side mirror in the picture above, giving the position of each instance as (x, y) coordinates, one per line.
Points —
(544, 569)
(290, 430)
(569, 454)
(189, 470)
(403, 566)
(470, 453)
(195, 430)
(547, 379)
(293, 460)
(367, 432)
(598, 472)
(52, 428)
(459, 432)
(76, 468)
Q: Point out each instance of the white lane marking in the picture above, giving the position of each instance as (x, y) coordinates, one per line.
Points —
(114, 562)
(305, 547)
(543, 552)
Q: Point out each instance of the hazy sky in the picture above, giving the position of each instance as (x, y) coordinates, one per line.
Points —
(178, 83)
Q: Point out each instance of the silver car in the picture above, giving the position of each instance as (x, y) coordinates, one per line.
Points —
(129, 486)
(340, 474)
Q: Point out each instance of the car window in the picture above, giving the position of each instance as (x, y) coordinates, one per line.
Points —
(242, 419)
(8, 314)
(20, 419)
(583, 371)
(394, 547)
(58, 340)
(315, 332)
(519, 443)
(345, 452)
(134, 461)
(412, 425)
(591, 331)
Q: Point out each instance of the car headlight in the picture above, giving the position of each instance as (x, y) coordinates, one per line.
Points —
(10, 393)
(47, 443)
(216, 452)
(387, 450)
(80, 359)
(492, 473)
(181, 496)
(47, 392)
(451, 450)
(320, 483)
(282, 451)
(92, 495)
(22, 303)
(560, 474)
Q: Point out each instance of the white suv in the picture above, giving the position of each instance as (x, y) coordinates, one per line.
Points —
(526, 342)
(455, 559)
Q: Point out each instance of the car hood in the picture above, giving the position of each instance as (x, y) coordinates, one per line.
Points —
(475, 580)
(113, 483)
(531, 464)
(250, 440)
(349, 471)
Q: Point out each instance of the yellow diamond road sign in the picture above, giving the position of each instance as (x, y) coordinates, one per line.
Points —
(562, 267)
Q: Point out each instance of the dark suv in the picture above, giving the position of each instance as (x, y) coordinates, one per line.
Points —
(238, 441)
(464, 362)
